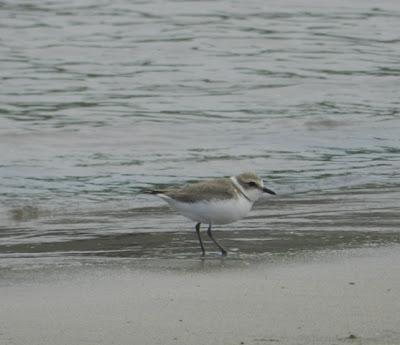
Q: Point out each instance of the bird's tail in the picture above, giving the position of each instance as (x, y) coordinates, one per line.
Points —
(154, 191)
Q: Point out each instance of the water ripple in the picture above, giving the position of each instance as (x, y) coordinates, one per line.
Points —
(100, 100)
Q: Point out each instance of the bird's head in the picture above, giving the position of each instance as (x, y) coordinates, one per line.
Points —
(253, 186)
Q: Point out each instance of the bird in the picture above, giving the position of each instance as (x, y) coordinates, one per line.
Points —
(215, 201)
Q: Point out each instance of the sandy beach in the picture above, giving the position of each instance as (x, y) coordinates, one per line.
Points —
(338, 297)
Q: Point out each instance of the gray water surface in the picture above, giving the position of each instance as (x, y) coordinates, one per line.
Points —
(102, 99)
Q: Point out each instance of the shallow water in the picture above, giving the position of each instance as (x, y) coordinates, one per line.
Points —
(100, 100)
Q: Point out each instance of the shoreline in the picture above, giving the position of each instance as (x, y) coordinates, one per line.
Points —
(345, 297)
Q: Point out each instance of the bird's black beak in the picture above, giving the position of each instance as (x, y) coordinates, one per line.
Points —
(266, 190)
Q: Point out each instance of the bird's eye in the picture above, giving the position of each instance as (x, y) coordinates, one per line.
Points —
(252, 184)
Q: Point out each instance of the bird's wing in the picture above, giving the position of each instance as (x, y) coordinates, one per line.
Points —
(219, 189)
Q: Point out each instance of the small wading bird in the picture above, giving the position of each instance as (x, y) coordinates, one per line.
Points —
(218, 201)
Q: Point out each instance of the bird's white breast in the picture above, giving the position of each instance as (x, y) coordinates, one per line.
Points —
(213, 211)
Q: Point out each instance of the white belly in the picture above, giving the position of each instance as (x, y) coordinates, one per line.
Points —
(214, 212)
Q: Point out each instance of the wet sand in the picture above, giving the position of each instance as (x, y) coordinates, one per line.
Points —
(337, 297)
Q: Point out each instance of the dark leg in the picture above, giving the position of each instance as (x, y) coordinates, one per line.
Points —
(199, 237)
(223, 251)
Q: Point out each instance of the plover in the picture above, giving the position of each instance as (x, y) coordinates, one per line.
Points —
(217, 201)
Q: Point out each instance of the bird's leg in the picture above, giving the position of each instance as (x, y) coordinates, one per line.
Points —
(209, 233)
(199, 237)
